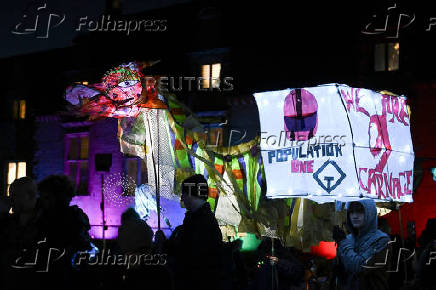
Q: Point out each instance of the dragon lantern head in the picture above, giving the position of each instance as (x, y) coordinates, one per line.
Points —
(123, 86)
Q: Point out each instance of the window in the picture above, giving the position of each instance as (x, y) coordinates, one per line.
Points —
(211, 75)
(19, 109)
(15, 170)
(77, 163)
(387, 56)
(114, 4)
(136, 170)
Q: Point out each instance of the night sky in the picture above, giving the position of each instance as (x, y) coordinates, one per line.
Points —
(64, 33)
(312, 35)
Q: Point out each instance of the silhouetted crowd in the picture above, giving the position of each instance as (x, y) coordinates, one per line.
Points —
(45, 244)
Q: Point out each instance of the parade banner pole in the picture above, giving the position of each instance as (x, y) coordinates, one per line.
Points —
(158, 173)
(272, 266)
(103, 223)
(397, 206)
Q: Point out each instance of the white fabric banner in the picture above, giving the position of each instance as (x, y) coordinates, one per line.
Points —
(334, 142)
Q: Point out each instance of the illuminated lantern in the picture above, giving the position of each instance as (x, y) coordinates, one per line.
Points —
(118, 95)
(352, 142)
(325, 249)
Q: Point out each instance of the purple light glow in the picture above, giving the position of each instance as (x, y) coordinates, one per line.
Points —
(91, 207)
(53, 159)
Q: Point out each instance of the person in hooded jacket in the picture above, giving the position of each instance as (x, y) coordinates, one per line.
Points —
(363, 253)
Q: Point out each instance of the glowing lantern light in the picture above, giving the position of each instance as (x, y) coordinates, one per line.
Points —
(325, 249)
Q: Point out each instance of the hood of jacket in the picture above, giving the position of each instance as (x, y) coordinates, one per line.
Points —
(367, 235)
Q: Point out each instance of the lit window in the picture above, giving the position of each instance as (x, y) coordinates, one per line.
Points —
(77, 163)
(211, 75)
(15, 170)
(387, 56)
(136, 170)
(116, 4)
(19, 109)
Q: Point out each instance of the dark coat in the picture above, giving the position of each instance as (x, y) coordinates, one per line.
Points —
(17, 242)
(426, 268)
(198, 251)
(65, 232)
(287, 273)
(360, 252)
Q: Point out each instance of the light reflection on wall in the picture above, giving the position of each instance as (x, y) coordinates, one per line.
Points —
(50, 137)
(91, 207)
